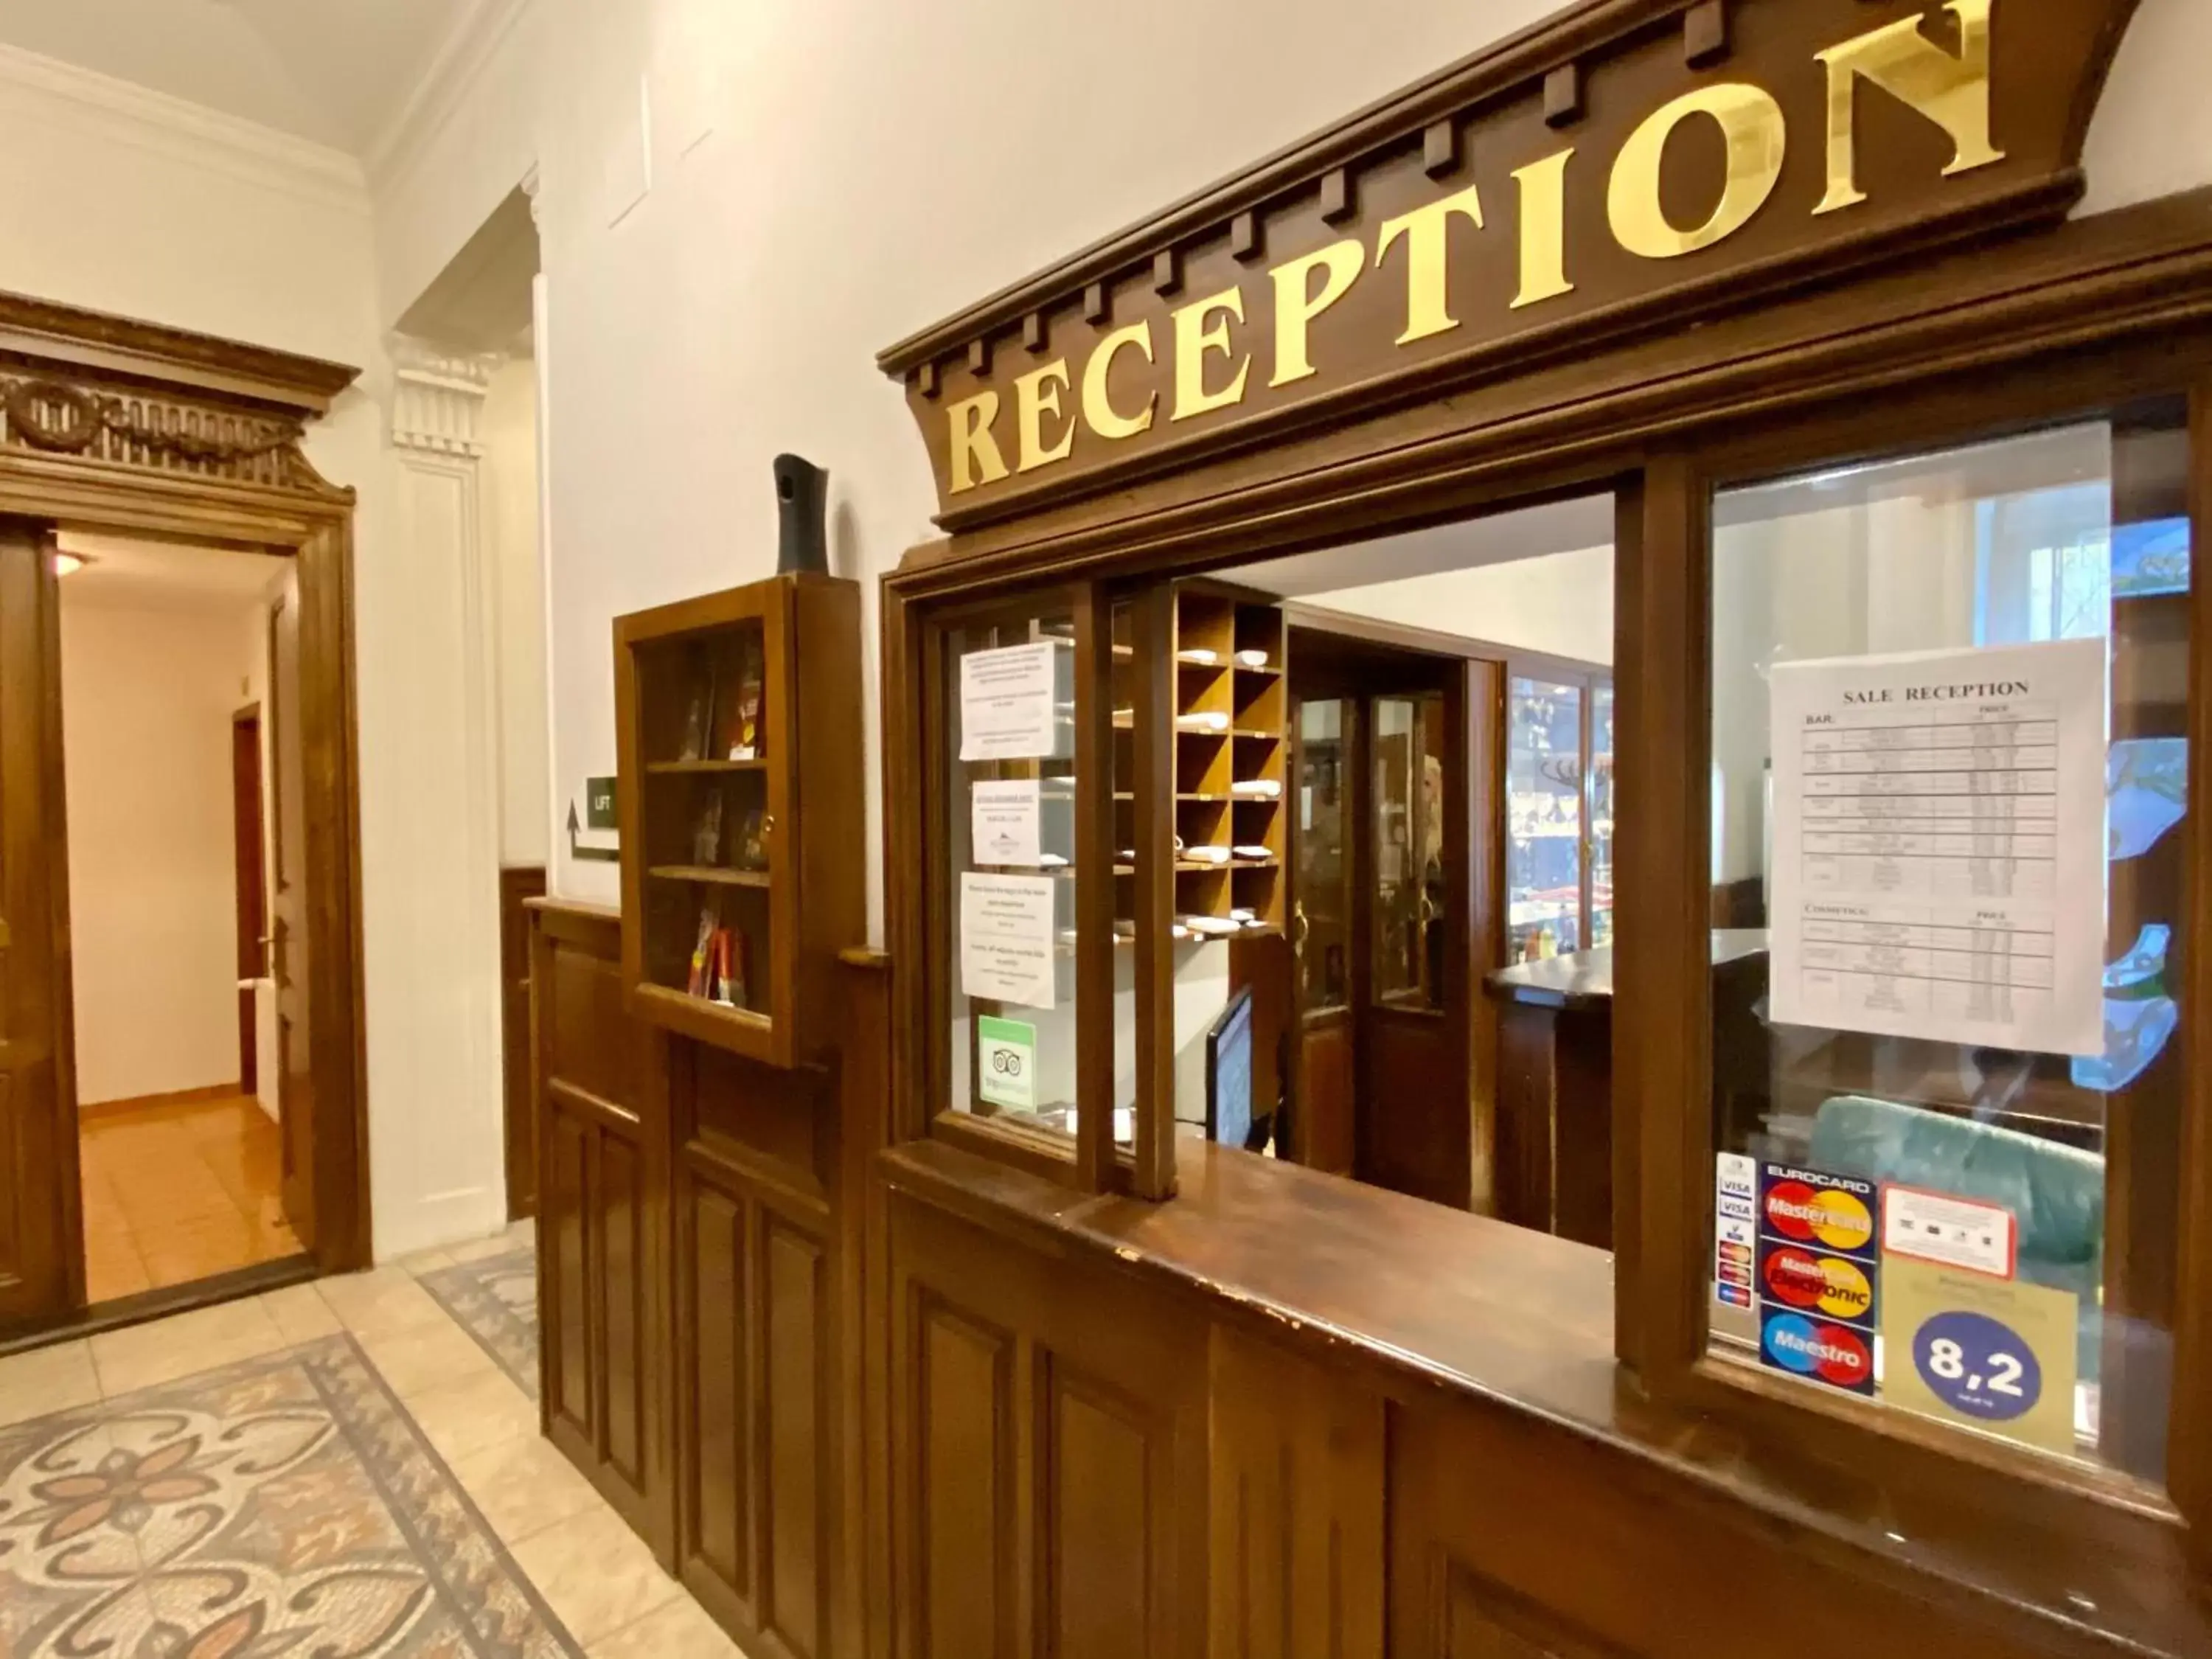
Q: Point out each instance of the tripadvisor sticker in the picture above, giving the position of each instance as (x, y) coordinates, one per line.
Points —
(1005, 1062)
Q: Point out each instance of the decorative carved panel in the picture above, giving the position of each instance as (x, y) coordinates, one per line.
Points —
(77, 387)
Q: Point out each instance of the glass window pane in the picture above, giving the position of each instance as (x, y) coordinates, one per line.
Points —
(1600, 814)
(1949, 700)
(1010, 698)
(1409, 850)
(1543, 811)
(1322, 911)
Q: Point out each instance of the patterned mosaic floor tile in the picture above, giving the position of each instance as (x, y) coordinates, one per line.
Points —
(284, 1505)
(494, 1299)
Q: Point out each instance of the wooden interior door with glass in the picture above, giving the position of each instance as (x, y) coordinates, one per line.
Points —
(41, 1223)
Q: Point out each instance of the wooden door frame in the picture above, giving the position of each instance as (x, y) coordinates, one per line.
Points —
(249, 1067)
(137, 429)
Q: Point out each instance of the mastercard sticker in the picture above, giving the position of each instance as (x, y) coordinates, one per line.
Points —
(1799, 1206)
(1796, 1278)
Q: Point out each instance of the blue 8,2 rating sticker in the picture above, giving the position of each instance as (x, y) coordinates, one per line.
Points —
(1977, 1365)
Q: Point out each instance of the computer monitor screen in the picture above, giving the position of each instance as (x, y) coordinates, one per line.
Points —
(1229, 1073)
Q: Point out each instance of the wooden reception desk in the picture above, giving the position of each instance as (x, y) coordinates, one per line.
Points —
(1555, 1159)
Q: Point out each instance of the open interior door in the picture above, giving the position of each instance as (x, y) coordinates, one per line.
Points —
(290, 940)
(41, 1223)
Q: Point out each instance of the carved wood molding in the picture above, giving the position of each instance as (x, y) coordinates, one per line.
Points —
(1508, 214)
(82, 388)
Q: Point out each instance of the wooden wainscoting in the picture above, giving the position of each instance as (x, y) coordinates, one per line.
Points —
(602, 1226)
(701, 1288)
(755, 1332)
(517, 884)
(1048, 1445)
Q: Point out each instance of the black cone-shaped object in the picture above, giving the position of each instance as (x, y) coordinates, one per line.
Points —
(802, 504)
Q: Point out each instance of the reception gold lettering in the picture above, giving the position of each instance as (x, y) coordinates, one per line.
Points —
(1750, 124)
(1037, 395)
(1543, 230)
(974, 449)
(1296, 305)
(1428, 261)
(1952, 92)
(1200, 328)
(1098, 412)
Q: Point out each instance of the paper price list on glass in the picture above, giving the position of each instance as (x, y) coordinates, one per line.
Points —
(1938, 845)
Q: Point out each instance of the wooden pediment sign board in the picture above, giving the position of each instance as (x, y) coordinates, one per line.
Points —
(1619, 172)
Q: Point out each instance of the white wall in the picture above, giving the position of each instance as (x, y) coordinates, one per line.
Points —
(147, 698)
(1560, 603)
(508, 492)
(126, 202)
(868, 169)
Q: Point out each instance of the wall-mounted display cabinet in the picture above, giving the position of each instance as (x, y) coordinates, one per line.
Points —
(739, 744)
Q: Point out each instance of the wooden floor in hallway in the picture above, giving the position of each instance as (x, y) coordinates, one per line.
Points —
(180, 1191)
(351, 1466)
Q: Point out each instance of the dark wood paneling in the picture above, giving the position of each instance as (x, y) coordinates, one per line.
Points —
(1296, 1564)
(564, 1288)
(1048, 1474)
(960, 1406)
(716, 1468)
(1101, 1458)
(795, 1502)
(753, 1347)
(1563, 1548)
(602, 1148)
(517, 885)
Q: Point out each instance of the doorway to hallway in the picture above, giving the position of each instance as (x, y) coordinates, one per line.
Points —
(182, 890)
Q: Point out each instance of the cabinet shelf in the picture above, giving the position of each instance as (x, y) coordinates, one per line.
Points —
(700, 768)
(711, 874)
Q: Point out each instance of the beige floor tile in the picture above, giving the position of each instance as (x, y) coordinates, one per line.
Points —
(425, 1261)
(300, 1314)
(477, 1248)
(596, 1574)
(424, 1357)
(477, 1412)
(49, 1379)
(680, 1630)
(141, 1355)
(523, 1486)
(386, 1300)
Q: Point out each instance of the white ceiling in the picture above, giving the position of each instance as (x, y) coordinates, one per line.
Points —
(164, 575)
(337, 71)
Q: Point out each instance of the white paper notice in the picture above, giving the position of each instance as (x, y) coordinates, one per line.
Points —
(1005, 821)
(1006, 938)
(1010, 703)
(1939, 846)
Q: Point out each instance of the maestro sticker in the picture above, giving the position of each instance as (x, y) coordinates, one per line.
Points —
(1818, 1350)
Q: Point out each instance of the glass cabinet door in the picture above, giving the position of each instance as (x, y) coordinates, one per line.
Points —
(1544, 819)
(1600, 814)
(1321, 921)
(1409, 894)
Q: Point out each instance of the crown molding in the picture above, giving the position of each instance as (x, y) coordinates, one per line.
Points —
(179, 129)
(477, 34)
(438, 397)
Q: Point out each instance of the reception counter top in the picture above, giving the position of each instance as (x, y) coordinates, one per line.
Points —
(1583, 979)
